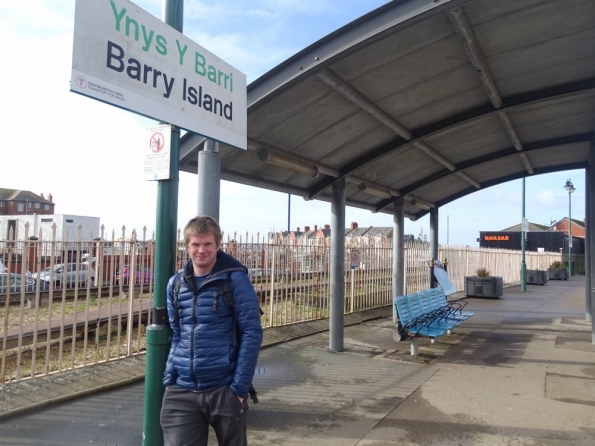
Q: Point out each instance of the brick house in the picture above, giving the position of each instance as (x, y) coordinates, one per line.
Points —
(378, 237)
(24, 202)
(322, 236)
(307, 237)
(354, 236)
(578, 227)
(293, 237)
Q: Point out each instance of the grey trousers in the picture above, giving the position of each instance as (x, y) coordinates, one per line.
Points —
(186, 416)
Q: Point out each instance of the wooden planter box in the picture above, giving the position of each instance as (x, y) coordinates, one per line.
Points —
(557, 273)
(536, 277)
(483, 286)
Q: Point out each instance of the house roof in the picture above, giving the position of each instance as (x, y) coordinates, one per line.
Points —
(580, 223)
(386, 231)
(357, 232)
(423, 101)
(309, 234)
(21, 195)
(533, 227)
(325, 232)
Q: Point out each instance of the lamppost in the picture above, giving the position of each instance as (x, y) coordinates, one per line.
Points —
(570, 188)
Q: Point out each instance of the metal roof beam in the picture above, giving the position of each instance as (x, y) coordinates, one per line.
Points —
(585, 86)
(477, 59)
(190, 145)
(465, 32)
(435, 155)
(354, 96)
(366, 105)
(526, 163)
(536, 145)
(516, 176)
(463, 176)
(511, 130)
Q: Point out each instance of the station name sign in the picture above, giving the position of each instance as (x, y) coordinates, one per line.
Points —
(124, 56)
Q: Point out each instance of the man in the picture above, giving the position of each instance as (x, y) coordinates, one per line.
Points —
(215, 343)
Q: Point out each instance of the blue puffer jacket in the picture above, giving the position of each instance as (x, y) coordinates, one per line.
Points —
(203, 354)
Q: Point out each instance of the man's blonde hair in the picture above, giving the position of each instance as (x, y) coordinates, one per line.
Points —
(200, 225)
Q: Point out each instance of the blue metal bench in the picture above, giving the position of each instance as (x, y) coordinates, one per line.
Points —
(454, 310)
(427, 313)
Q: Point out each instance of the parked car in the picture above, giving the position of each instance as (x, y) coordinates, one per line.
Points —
(3, 269)
(66, 275)
(142, 274)
(16, 283)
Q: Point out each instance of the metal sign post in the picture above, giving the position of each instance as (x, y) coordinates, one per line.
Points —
(524, 229)
(159, 332)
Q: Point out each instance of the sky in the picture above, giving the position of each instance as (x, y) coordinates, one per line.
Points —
(90, 155)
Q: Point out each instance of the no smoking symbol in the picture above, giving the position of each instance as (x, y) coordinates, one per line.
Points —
(156, 142)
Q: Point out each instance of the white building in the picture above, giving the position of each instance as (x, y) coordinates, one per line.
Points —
(41, 226)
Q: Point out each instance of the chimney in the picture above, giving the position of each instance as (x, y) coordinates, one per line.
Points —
(298, 229)
(41, 195)
(316, 227)
(50, 198)
(327, 226)
(306, 228)
(353, 225)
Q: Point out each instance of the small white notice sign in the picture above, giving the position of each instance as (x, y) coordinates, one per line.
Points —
(525, 225)
(157, 150)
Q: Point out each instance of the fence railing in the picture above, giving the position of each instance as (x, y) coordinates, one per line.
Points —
(71, 303)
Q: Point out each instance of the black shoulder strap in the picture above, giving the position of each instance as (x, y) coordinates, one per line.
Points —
(226, 291)
(228, 295)
(175, 293)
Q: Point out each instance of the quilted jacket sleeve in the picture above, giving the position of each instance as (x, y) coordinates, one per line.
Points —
(170, 375)
(249, 330)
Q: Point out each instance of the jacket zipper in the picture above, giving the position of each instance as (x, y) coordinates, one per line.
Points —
(194, 302)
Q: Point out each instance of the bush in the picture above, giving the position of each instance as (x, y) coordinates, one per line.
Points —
(558, 264)
(482, 272)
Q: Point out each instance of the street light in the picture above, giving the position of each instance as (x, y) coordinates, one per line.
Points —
(570, 188)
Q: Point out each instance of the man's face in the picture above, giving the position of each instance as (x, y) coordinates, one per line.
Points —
(203, 252)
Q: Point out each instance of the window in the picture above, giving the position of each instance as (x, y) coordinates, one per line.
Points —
(69, 221)
(28, 205)
(1, 203)
(20, 207)
(37, 205)
(46, 207)
(47, 220)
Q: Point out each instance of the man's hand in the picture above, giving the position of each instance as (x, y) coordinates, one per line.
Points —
(241, 399)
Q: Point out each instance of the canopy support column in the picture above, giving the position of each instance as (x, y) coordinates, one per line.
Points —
(337, 305)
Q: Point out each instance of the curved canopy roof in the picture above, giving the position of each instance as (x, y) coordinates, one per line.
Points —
(423, 100)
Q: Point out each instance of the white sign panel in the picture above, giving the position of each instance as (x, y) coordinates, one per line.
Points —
(443, 279)
(124, 56)
(525, 225)
(157, 149)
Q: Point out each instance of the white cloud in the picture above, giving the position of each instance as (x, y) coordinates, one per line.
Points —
(546, 197)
